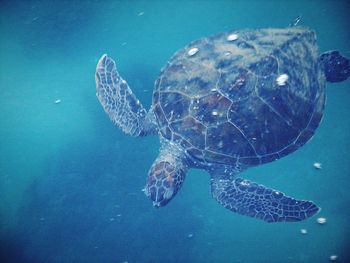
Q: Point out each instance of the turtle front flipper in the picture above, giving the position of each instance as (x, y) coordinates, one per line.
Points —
(118, 101)
(336, 67)
(166, 175)
(254, 200)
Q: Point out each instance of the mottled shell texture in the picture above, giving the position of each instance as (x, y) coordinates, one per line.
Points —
(245, 97)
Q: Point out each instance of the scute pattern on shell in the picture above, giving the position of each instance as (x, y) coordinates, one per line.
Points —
(223, 104)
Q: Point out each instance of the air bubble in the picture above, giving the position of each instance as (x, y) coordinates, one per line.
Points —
(192, 51)
(232, 37)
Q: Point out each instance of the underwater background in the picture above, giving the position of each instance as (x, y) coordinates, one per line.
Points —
(70, 182)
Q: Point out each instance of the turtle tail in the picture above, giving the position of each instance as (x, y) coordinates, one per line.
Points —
(336, 67)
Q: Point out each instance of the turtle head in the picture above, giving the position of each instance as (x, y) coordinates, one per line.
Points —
(164, 180)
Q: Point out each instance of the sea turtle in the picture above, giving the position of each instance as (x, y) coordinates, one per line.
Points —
(225, 103)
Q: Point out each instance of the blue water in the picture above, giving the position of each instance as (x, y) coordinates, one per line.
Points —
(70, 182)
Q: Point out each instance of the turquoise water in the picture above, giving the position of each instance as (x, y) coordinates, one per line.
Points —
(70, 182)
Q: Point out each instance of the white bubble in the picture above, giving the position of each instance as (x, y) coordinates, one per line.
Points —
(333, 258)
(282, 79)
(232, 37)
(303, 231)
(318, 165)
(245, 183)
(220, 144)
(321, 220)
(192, 51)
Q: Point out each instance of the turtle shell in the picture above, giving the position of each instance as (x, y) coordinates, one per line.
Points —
(245, 97)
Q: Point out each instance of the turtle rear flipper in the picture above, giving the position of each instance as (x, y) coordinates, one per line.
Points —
(336, 67)
(118, 101)
(254, 200)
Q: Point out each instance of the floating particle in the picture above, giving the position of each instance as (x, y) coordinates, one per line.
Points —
(303, 231)
(333, 258)
(232, 37)
(214, 113)
(318, 166)
(190, 235)
(220, 144)
(141, 14)
(321, 220)
(244, 183)
(58, 101)
(282, 79)
(192, 51)
(296, 21)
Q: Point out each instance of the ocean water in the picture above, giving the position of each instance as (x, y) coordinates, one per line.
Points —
(70, 182)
